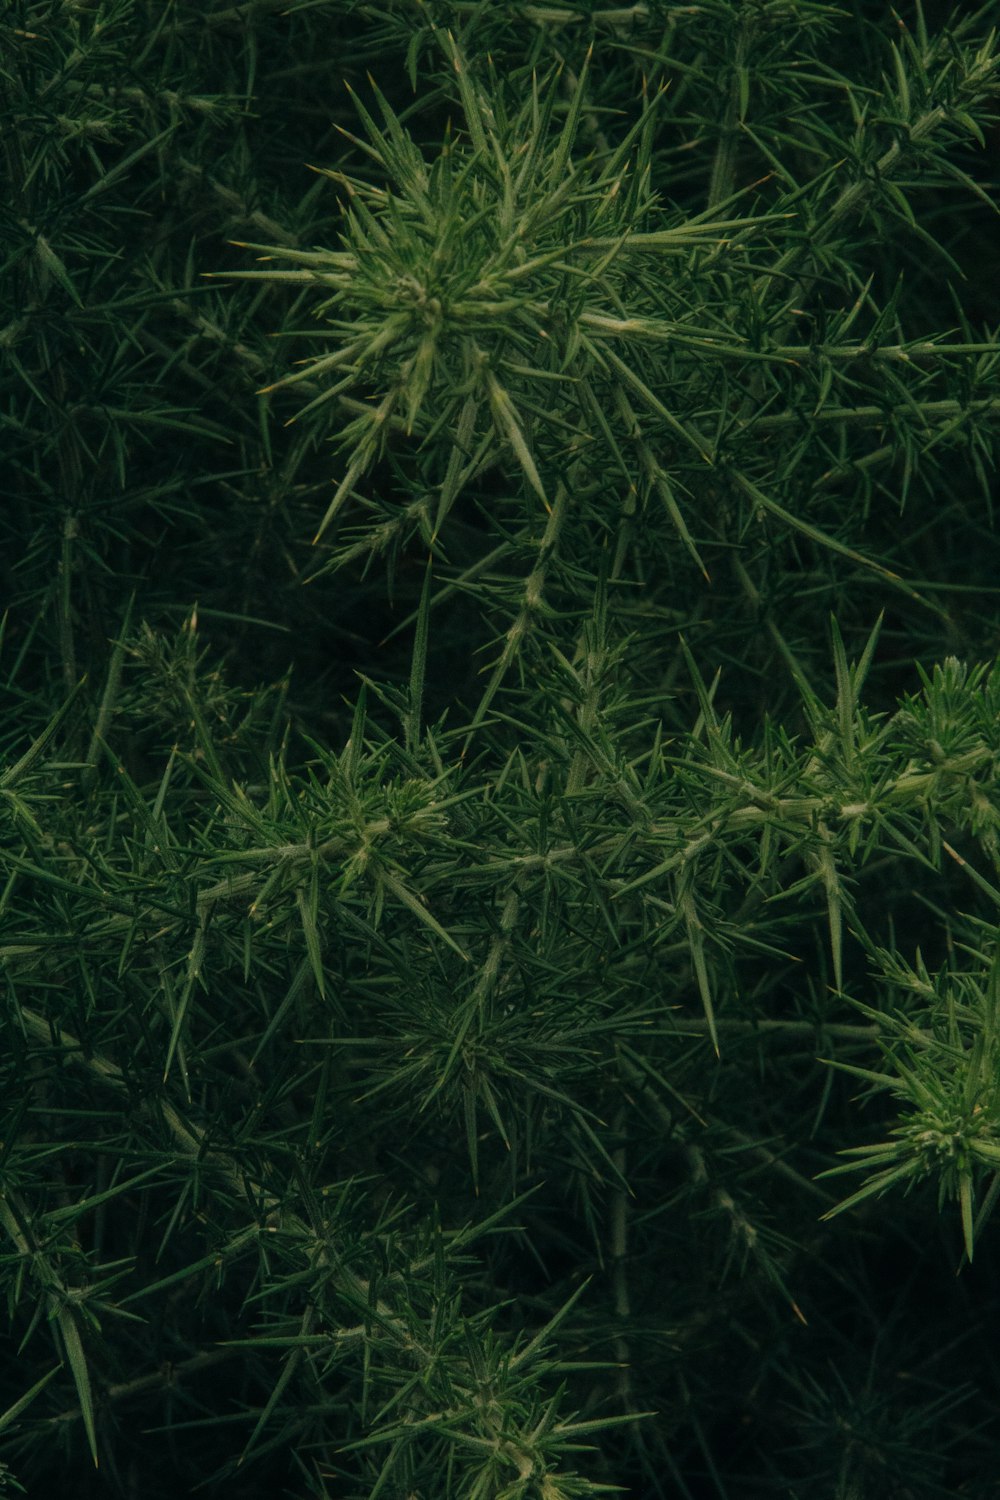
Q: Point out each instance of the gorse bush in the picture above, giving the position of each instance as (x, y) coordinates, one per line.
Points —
(501, 764)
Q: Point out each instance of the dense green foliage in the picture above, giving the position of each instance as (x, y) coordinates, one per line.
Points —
(500, 764)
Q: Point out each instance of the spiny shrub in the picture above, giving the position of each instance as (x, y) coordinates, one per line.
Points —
(499, 774)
